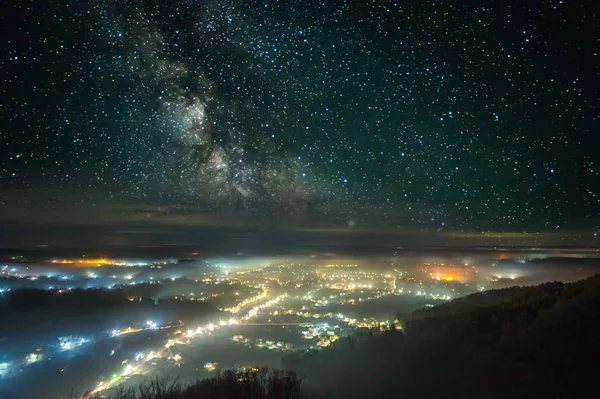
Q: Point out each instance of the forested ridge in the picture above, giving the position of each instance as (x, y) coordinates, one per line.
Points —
(519, 341)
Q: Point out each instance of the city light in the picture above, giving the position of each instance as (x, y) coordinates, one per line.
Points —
(311, 304)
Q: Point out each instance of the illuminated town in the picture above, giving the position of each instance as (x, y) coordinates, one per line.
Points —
(192, 317)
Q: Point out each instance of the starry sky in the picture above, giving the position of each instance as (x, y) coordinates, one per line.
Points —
(433, 118)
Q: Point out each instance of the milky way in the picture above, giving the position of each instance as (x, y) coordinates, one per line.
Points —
(453, 115)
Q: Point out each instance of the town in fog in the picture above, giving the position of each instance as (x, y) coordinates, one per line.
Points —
(94, 325)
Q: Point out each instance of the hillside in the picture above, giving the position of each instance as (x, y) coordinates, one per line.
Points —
(257, 384)
(516, 342)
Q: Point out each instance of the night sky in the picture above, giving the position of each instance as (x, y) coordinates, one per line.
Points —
(429, 118)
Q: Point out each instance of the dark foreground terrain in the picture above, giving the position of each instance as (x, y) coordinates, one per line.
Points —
(517, 342)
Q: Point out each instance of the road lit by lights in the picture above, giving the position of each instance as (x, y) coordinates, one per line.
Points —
(131, 330)
(130, 368)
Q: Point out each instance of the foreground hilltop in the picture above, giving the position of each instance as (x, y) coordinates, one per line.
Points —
(515, 342)
(518, 342)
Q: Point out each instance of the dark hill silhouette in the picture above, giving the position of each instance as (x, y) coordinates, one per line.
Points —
(517, 342)
(261, 384)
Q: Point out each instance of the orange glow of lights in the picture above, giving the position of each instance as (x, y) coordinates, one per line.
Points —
(84, 262)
